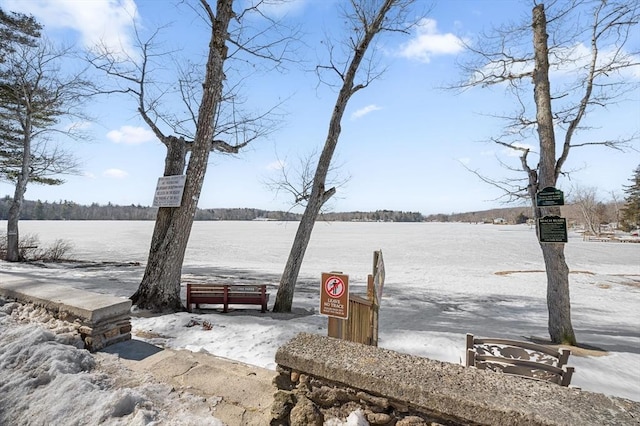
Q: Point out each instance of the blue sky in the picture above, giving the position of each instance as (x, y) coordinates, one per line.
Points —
(404, 142)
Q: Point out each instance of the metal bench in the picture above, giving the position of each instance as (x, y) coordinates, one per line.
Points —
(525, 359)
(227, 294)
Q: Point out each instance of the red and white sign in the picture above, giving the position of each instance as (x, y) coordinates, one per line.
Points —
(334, 286)
(334, 295)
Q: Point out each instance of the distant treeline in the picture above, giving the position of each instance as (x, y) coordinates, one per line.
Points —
(68, 210)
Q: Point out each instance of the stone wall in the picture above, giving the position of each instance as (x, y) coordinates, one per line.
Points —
(102, 319)
(320, 378)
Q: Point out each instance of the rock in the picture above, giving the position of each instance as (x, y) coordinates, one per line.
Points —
(306, 413)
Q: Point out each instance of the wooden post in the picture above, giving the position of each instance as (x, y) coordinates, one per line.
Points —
(373, 312)
(335, 327)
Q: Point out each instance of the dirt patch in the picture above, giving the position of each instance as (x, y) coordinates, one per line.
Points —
(583, 349)
(144, 334)
(633, 280)
(538, 271)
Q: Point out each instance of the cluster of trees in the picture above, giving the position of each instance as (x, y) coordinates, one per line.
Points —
(520, 58)
(585, 210)
(244, 214)
(630, 218)
(68, 210)
(376, 216)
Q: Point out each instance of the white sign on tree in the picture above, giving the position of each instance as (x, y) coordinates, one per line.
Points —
(169, 191)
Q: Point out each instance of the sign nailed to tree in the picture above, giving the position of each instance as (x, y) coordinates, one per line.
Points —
(552, 229)
(549, 196)
(169, 191)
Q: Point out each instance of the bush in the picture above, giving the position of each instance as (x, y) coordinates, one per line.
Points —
(29, 247)
(57, 251)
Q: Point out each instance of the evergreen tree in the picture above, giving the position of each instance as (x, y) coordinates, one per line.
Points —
(35, 96)
(631, 212)
(16, 28)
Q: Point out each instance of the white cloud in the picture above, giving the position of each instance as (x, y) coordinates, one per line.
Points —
(364, 111)
(577, 57)
(566, 62)
(131, 135)
(77, 126)
(465, 160)
(281, 8)
(115, 173)
(106, 21)
(276, 165)
(428, 43)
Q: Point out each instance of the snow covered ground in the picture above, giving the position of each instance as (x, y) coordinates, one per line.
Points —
(442, 281)
(46, 380)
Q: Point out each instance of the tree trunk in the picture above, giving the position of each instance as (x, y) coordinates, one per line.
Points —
(284, 297)
(319, 196)
(13, 236)
(558, 301)
(160, 286)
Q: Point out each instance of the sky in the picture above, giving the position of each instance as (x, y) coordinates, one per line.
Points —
(441, 281)
(406, 144)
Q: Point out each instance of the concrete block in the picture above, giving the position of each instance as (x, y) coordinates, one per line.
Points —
(92, 307)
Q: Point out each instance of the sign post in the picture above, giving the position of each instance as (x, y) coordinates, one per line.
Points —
(378, 275)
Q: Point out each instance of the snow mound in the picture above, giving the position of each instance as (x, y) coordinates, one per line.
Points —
(46, 380)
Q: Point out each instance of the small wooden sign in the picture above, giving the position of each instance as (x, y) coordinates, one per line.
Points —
(334, 295)
(552, 229)
(378, 274)
(549, 196)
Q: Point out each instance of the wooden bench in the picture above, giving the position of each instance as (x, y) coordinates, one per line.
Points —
(525, 359)
(227, 294)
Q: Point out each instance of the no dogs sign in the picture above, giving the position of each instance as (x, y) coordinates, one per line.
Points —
(334, 295)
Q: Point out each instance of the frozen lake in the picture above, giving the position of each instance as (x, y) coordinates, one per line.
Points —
(442, 281)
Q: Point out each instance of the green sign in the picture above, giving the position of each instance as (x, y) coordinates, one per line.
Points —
(550, 196)
(552, 229)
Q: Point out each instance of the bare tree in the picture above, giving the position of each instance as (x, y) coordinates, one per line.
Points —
(591, 209)
(366, 20)
(616, 208)
(36, 96)
(296, 178)
(597, 56)
(209, 121)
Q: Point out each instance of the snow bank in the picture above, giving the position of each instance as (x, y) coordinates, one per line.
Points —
(47, 380)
